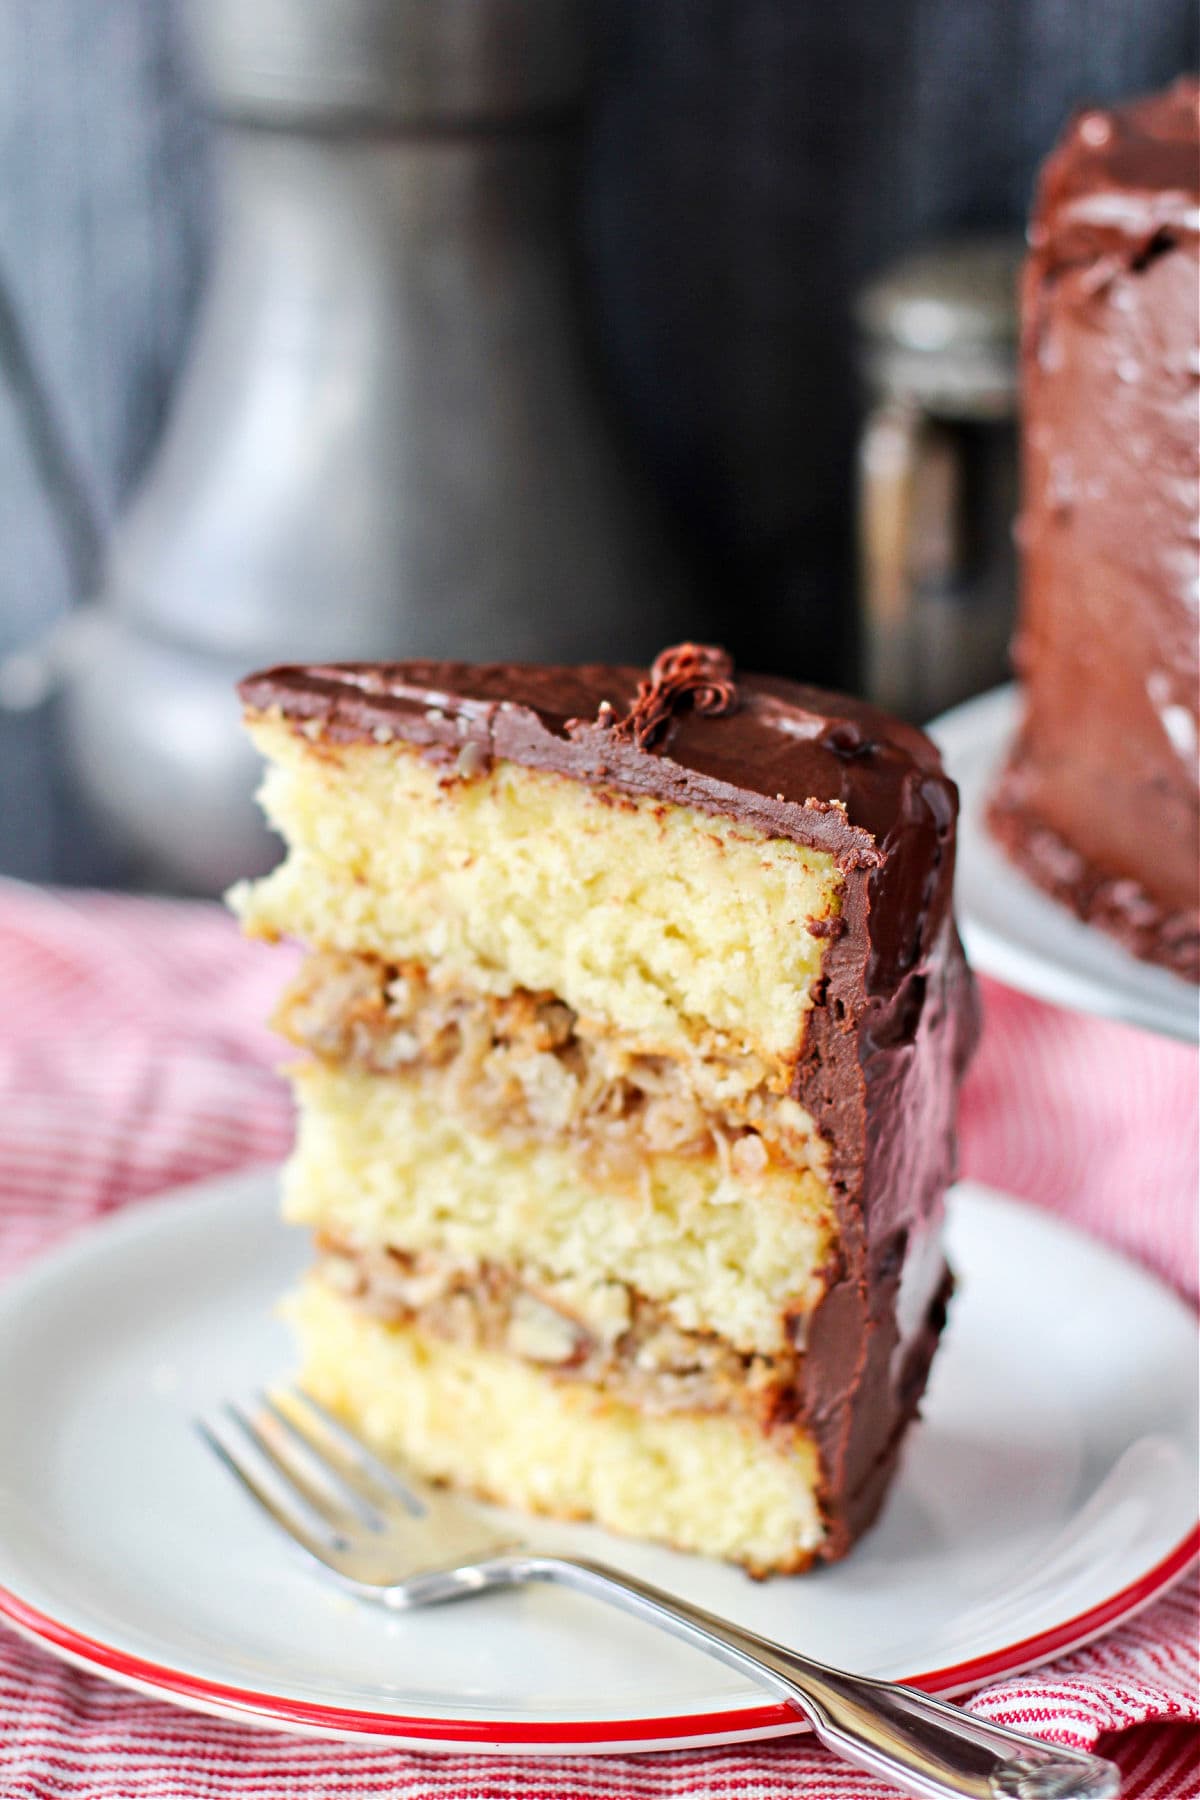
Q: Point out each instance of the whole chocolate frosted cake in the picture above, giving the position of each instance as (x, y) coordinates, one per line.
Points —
(1100, 800)
(635, 1015)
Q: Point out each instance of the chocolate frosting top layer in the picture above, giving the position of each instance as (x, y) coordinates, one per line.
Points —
(1129, 173)
(778, 748)
(827, 771)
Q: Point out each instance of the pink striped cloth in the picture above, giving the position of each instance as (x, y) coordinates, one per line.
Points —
(133, 1057)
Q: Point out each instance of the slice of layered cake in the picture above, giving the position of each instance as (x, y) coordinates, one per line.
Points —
(1100, 801)
(635, 1015)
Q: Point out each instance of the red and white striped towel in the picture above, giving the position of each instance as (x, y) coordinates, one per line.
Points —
(134, 1057)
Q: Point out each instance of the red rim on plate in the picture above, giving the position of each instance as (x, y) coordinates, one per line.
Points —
(133, 1671)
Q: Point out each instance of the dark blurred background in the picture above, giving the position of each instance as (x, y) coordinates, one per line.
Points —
(744, 168)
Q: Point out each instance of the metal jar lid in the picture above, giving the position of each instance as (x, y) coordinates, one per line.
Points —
(940, 326)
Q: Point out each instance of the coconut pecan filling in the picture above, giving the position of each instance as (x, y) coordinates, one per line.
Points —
(598, 1332)
(526, 1067)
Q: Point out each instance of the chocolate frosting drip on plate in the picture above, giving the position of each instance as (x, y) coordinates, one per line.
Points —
(895, 1016)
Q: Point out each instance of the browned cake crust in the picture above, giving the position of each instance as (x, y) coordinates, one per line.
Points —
(895, 1018)
(1099, 803)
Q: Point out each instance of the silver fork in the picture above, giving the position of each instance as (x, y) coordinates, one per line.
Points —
(397, 1541)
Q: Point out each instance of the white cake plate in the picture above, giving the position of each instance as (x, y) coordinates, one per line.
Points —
(1048, 1492)
(1016, 932)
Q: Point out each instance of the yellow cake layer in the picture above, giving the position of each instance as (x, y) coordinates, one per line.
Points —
(379, 1162)
(504, 1430)
(668, 924)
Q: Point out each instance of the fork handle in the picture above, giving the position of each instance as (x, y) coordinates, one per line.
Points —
(921, 1745)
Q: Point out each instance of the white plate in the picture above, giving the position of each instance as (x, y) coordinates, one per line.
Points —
(1014, 931)
(1049, 1490)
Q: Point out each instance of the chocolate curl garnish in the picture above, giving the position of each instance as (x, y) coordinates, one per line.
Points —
(695, 674)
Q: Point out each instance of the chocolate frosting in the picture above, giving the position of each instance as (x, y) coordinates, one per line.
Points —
(1100, 802)
(695, 674)
(1119, 177)
(894, 1019)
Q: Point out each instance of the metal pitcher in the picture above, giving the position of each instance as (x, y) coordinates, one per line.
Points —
(388, 440)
